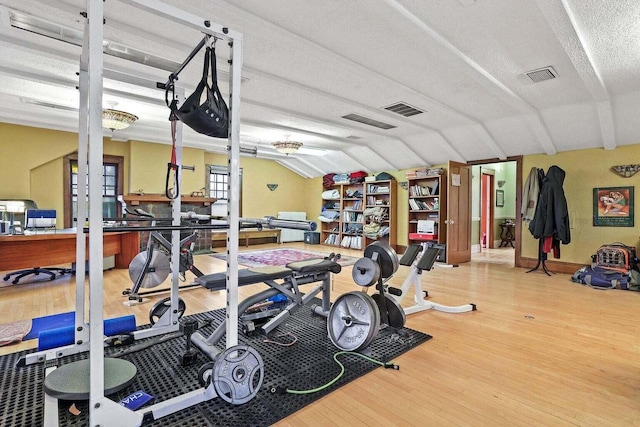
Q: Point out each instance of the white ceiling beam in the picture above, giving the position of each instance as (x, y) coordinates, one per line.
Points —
(565, 26)
(514, 99)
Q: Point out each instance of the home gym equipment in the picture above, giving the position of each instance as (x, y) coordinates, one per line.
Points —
(102, 411)
(151, 267)
(236, 374)
(377, 266)
(384, 262)
(281, 280)
(188, 327)
(353, 321)
(160, 308)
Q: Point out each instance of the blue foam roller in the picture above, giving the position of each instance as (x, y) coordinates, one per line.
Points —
(57, 337)
(120, 325)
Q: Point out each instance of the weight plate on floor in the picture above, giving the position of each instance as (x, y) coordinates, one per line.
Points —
(157, 271)
(205, 373)
(162, 306)
(365, 272)
(387, 257)
(237, 374)
(353, 321)
(395, 314)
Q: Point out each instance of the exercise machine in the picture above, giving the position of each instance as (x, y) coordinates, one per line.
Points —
(380, 262)
(280, 280)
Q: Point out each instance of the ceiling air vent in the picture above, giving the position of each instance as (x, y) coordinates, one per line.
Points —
(542, 74)
(367, 121)
(403, 109)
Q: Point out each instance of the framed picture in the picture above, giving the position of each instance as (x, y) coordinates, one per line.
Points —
(499, 198)
(613, 207)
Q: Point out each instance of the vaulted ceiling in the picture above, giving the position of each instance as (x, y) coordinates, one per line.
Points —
(486, 79)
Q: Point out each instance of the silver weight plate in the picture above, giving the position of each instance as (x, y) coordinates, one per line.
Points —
(156, 273)
(365, 272)
(387, 257)
(353, 321)
(237, 374)
(395, 314)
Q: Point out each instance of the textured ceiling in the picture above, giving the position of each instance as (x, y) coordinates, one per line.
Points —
(307, 64)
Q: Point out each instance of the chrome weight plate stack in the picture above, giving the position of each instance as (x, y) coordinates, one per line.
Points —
(353, 321)
(158, 270)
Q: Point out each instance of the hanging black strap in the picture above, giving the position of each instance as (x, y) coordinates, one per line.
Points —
(172, 166)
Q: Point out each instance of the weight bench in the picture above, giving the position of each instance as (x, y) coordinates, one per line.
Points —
(281, 280)
(424, 263)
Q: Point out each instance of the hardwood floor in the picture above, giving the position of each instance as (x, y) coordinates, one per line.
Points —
(538, 351)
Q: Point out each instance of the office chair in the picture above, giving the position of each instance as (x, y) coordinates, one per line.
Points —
(36, 219)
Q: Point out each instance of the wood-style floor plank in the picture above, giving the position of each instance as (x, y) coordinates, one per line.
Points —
(539, 350)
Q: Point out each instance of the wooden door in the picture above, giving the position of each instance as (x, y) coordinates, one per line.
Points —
(458, 213)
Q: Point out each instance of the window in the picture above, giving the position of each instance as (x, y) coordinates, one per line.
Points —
(112, 185)
(218, 188)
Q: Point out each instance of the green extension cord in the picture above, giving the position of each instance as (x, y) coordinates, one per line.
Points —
(282, 390)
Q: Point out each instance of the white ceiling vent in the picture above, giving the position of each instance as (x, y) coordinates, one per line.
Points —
(542, 74)
(403, 109)
(367, 121)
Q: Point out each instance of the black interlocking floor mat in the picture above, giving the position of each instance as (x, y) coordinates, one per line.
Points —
(307, 364)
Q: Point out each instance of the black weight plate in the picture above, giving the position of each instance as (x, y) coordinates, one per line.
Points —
(395, 314)
(160, 307)
(387, 258)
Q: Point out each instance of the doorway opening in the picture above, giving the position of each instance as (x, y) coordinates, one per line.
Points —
(495, 203)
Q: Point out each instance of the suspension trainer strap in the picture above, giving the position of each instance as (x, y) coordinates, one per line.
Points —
(172, 166)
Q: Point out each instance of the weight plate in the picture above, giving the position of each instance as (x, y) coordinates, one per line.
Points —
(237, 374)
(157, 271)
(162, 306)
(365, 272)
(387, 257)
(395, 314)
(205, 373)
(353, 321)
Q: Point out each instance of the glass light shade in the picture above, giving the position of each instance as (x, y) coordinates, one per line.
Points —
(116, 119)
(287, 147)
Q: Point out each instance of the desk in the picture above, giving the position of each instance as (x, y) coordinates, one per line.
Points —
(49, 249)
(506, 234)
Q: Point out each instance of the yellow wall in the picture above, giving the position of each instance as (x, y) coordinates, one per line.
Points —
(257, 200)
(22, 149)
(46, 188)
(148, 168)
(586, 170)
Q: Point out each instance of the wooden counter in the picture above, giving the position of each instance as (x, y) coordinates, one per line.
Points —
(49, 249)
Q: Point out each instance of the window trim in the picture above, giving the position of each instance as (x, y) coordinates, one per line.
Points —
(109, 159)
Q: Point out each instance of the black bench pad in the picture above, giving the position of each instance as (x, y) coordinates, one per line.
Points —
(315, 265)
(247, 276)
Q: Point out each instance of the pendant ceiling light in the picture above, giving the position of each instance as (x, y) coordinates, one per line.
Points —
(287, 147)
(116, 119)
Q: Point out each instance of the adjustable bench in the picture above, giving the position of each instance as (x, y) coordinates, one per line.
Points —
(281, 280)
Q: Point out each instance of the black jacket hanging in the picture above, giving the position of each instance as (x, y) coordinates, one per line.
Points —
(552, 215)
